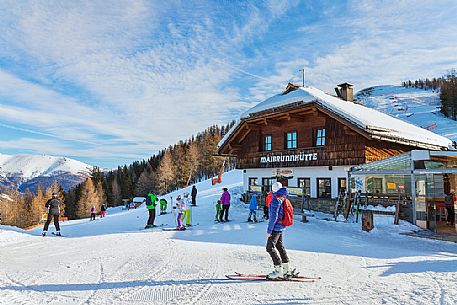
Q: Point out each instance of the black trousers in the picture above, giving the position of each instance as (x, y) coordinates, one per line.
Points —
(48, 221)
(450, 214)
(265, 212)
(224, 212)
(274, 245)
(92, 216)
(194, 200)
(152, 217)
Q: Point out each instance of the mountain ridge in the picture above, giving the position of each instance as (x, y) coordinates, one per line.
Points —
(24, 171)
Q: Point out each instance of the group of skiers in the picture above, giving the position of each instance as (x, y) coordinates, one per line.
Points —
(93, 212)
(53, 209)
(182, 208)
(280, 215)
(223, 206)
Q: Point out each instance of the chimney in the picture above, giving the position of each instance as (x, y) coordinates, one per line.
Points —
(345, 92)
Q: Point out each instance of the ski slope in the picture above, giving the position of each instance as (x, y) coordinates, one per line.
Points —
(417, 106)
(114, 261)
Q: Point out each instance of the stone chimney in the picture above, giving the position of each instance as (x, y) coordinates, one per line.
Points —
(345, 92)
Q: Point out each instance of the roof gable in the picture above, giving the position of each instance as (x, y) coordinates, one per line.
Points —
(375, 123)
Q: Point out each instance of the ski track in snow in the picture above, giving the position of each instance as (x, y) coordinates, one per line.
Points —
(111, 261)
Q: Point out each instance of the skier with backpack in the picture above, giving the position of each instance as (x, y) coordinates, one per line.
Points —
(53, 206)
(151, 200)
(281, 215)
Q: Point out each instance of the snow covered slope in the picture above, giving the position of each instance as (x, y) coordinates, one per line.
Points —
(114, 261)
(416, 106)
(26, 171)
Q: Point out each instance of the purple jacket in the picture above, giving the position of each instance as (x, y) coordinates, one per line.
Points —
(225, 198)
(276, 212)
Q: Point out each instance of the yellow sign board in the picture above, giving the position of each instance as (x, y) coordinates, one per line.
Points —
(391, 185)
(297, 191)
(255, 188)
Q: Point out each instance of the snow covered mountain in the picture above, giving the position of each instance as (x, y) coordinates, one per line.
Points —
(416, 106)
(26, 171)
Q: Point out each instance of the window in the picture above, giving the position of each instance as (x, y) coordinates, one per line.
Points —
(320, 137)
(267, 144)
(305, 183)
(374, 185)
(252, 181)
(341, 184)
(267, 183)
(324, 187)
(291, 140)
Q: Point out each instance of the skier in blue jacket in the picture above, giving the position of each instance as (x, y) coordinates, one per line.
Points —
(252, 208)
(275, 232)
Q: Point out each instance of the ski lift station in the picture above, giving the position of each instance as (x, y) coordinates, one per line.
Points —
(314, 143)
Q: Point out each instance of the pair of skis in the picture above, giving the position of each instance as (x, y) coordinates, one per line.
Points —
(264, 277)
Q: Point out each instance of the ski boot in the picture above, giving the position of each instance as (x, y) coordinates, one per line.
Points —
(276, 274)
(287, 271)
(58, 233)
(249, 219)
(43, 234)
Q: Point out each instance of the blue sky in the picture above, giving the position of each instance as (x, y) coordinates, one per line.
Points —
(109, 82)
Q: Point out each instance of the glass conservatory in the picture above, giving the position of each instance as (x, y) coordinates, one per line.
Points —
(423, 176)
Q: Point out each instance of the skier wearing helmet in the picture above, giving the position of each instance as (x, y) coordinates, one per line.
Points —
(53, 206)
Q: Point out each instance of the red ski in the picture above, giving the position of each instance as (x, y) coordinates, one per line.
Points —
(264, 278)
(295, 276)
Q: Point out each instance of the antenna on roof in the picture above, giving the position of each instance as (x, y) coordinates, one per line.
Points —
(303, 76)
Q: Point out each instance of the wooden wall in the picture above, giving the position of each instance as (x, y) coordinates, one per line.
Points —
(343, 145)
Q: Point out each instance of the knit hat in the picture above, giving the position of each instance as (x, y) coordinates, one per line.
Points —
(276, 186)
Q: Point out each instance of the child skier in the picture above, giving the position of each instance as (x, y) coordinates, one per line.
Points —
(186, 210)
(179, 209)
(252, 208)
(218, 210)
(93, 212)
(163, 206)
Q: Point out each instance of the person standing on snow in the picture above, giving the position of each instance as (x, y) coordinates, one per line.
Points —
(194, 195)
(186, 210)
(93, 212)
(252, 208)
(179, 209)
(151, 200)
(225, 200)
(102, 211)
(449, 202)
(53, 206)
(218, 210)
(163, 206)
(274, 233)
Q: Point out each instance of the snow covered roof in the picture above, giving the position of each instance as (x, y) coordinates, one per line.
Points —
(377, 124)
